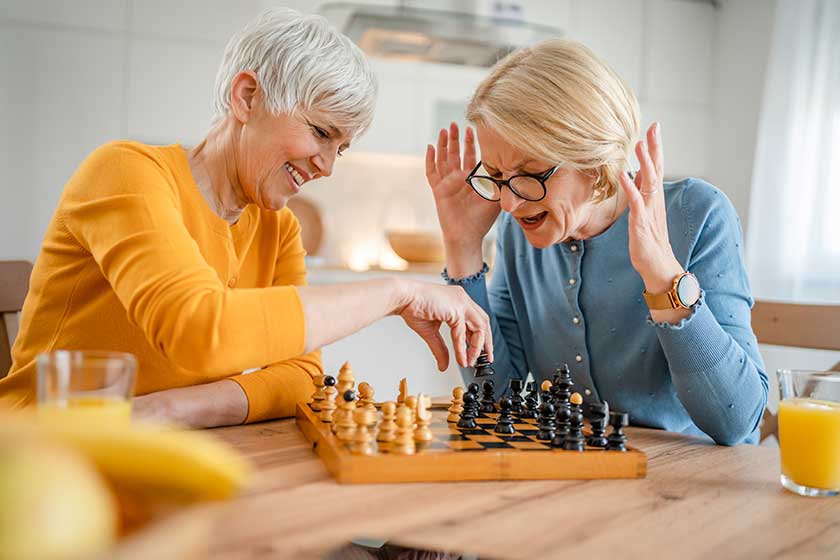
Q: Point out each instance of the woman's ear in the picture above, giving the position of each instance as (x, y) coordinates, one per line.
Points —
(243, 94)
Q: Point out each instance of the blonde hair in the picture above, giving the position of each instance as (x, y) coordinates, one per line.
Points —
(301, 61)
(562, 103)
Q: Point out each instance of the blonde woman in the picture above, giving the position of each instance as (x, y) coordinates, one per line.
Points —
(639, 285)
(187, 258)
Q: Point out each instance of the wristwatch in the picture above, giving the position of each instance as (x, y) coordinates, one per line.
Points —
(683, 294)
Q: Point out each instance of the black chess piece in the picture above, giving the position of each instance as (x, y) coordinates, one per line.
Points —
(561, 424)
(616, 440)
(488, 399)
(467, 418)
(349, 395)
(546, 424)
(505, 423)
(516, 396)
(574, 438)
(561, 402)
(483, 367)
(598, 414)
(531, 407)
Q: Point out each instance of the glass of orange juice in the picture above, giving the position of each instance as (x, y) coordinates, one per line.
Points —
(809, 431)
(85, 387)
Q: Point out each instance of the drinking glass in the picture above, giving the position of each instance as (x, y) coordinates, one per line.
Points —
(83, 386)
(809, 431)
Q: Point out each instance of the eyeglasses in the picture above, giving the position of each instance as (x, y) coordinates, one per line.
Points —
(526, 186)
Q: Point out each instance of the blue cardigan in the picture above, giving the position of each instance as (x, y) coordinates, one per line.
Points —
(581, 303)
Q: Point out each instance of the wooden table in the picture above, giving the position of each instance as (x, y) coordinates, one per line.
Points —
(698, 501)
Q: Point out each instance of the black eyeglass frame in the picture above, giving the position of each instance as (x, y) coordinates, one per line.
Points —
(541, 178)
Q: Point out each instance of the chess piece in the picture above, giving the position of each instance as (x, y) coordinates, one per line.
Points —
(362, 438)
(403, 391)
(545, 391)
(483, 367)
(505, 423)
(468, 415)
(562, 392)
(598, 414)
(546, 423)
(404, 442)
(318, 395)
(388, 428)
(328, 404)
(488, 399)
(515, 387)
(457, 404)
(574, 438)
(344, 425)
(346, 379)
(531, 407)
(422, 433)
(616, 440)
(366, 396)
(411, 403)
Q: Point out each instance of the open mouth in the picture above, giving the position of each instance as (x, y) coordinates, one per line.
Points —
(299, 180)
(532, 222)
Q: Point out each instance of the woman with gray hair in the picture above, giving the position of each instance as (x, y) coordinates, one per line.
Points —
(188, 259)
(596, 269)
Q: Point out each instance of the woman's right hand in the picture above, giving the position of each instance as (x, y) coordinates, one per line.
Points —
(465, 217)
(429, 306)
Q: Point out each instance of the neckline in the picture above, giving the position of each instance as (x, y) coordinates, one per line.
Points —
(216, 222)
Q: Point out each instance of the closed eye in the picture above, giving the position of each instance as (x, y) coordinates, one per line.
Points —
(320, 132)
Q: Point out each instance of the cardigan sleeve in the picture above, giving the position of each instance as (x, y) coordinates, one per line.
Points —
(122, 207)
(508, 352)
(275, 390)
(713, 355)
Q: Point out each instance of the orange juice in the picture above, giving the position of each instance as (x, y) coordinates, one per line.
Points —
(93, 411)
(809, 438)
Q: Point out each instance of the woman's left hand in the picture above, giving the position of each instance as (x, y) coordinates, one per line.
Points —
(650, 247)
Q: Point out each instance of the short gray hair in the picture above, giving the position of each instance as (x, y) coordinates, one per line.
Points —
(301, 61)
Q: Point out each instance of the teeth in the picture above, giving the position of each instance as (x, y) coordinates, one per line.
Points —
(297, 176)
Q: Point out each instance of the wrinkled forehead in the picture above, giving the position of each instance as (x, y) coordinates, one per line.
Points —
(498, 154)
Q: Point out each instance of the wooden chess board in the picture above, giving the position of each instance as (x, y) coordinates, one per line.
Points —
(479, 454)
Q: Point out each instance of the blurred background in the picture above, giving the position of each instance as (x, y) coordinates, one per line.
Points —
(743, 89)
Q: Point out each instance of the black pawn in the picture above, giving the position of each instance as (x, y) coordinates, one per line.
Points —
(505, 423)
(516, 386)
(598, 414)
(546, 424)
(531, 406)
(488, 400)
(483, 367)
(616, 440)
(574, 438)
(467, 418)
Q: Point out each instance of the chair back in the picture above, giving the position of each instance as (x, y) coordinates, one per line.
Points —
(815, 327)
(14, 283)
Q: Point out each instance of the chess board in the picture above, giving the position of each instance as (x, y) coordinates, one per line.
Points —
(458, 454)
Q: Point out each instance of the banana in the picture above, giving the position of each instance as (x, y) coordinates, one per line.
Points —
(180, 466)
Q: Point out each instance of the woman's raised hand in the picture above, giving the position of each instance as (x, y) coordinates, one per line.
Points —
(650, 247)
(465, 217)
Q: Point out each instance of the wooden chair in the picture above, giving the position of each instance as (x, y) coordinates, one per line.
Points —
(14, 283)
(796, 325)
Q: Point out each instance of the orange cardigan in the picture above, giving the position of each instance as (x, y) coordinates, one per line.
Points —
(135, 260)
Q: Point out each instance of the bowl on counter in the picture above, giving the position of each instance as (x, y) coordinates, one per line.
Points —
(417, 246)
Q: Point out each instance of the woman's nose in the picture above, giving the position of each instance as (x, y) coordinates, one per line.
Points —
(509, 201)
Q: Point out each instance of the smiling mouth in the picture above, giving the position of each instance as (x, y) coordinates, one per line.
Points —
(295, 174)
(532, 222)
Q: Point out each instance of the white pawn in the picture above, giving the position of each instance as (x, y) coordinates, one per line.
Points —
(457, 405)
(366, 396)
(404, 442)
(411, 403)
(362, 438)
(319, 394)
(388, 427)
